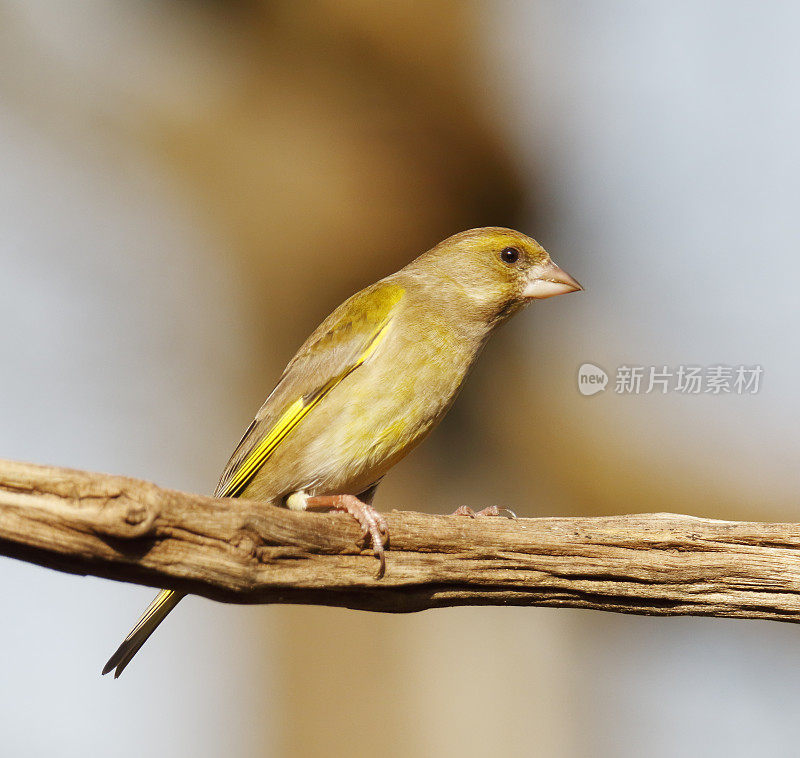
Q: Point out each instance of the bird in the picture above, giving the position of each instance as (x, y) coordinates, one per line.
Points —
(372, 381)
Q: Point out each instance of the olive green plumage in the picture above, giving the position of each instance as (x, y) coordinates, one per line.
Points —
(377, 375)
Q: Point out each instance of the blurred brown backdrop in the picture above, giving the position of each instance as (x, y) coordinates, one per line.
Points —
(189, 188)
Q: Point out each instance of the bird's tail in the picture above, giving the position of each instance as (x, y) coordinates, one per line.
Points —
(156, 612)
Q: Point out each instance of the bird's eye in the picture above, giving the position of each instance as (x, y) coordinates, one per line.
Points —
(509, 255)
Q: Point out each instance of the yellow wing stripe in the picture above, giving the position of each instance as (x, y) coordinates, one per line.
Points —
(290, 419)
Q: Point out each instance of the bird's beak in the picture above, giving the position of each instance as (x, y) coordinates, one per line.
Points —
(548, 280)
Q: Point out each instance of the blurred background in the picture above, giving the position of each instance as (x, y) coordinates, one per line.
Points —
(189, 188)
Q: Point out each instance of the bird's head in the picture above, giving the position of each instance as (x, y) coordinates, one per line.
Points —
(494, 270)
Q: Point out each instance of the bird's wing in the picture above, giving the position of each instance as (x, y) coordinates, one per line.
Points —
(339, 345)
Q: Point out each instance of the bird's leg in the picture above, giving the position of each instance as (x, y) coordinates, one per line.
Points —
(492, 510)
(373, 525)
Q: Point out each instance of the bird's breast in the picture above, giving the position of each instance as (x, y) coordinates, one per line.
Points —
(375, 415)
(404, 393)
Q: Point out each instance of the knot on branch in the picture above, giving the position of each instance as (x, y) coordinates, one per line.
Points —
(117, 510)
(260, 540)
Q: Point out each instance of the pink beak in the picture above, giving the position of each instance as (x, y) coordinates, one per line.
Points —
(548, 281)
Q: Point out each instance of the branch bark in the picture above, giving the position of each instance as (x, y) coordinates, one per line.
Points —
(242, 551)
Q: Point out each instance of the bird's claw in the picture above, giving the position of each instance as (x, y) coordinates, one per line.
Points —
(492, 510)
(374, 529)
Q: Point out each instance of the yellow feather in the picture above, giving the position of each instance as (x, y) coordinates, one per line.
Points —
(291, 418)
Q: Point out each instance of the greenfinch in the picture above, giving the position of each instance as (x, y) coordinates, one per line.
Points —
(371, 383)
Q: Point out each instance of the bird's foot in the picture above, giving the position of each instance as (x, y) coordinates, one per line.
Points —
(372, 523)
(492, 510)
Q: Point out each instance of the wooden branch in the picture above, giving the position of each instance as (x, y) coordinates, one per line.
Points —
(242, 551)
